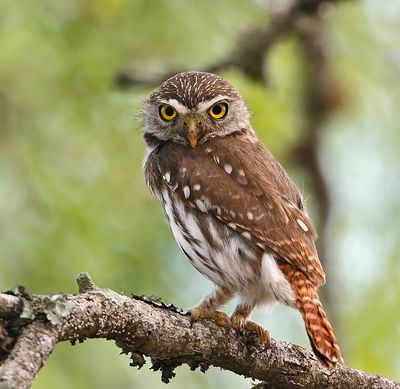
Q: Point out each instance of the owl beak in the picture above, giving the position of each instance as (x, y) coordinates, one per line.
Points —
(192, 138)
(193, 132)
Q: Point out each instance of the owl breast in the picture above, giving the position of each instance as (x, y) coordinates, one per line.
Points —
(213, 249)
(223, 255)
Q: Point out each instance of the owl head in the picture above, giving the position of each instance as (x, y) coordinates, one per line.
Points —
(191, 108)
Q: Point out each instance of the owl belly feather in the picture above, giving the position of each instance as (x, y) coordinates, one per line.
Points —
(224, 256)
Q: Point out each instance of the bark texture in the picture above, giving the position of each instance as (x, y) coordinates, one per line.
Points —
(146, 327)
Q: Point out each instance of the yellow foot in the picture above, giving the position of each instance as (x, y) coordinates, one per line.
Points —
(240, 323)
(198, 313)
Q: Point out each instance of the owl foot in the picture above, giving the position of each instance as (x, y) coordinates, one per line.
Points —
(198, 313)
(263, 334)
(240, 323)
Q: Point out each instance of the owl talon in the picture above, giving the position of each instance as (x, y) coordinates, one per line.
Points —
(263, 334)
(238, 321)
(220, 318)
(240, 324)
(195, 315)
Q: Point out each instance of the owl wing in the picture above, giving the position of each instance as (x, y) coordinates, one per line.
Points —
(236, 180)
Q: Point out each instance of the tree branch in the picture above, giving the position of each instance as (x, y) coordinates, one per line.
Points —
(9, 305)
(34, 345)
(146, 327)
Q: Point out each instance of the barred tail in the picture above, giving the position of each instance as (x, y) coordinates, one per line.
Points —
(319, 330)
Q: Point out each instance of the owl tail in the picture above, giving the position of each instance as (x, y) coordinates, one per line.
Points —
(319, 330)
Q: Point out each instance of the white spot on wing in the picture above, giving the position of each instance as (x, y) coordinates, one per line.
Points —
(196, 187)
(246, 234)
(250, 216)
(201, 205)
(302, 225)
(228, 168)
(206, 201)
(186, 191)
(167, 176)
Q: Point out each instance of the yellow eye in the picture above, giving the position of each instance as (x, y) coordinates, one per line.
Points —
(218, 110)
(167, 112)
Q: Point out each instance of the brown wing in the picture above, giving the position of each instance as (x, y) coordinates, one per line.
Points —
(239, 182)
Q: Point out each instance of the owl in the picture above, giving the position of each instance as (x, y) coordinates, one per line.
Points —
(232, 208)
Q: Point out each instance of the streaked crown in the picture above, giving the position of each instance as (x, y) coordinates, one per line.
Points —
(192, 88)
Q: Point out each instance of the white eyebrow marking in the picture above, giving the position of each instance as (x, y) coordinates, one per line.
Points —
(179, 107)
(203, 105)
(246, 234)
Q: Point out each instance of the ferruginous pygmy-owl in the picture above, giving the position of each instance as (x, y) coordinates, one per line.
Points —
(232, 208)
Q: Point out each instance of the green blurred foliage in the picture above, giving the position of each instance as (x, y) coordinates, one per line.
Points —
(72, 193)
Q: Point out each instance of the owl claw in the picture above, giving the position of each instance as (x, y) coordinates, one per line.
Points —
(263, 334)
(198, 313)
(195, 315)
(240, 324)
(238, 321)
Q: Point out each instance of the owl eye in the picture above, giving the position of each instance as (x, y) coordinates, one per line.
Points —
(218, 110)
(167, 112)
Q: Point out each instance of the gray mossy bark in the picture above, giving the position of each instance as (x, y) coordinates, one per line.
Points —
(146, 327)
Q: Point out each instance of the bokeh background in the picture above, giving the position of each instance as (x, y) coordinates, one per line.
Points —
(73, 196)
